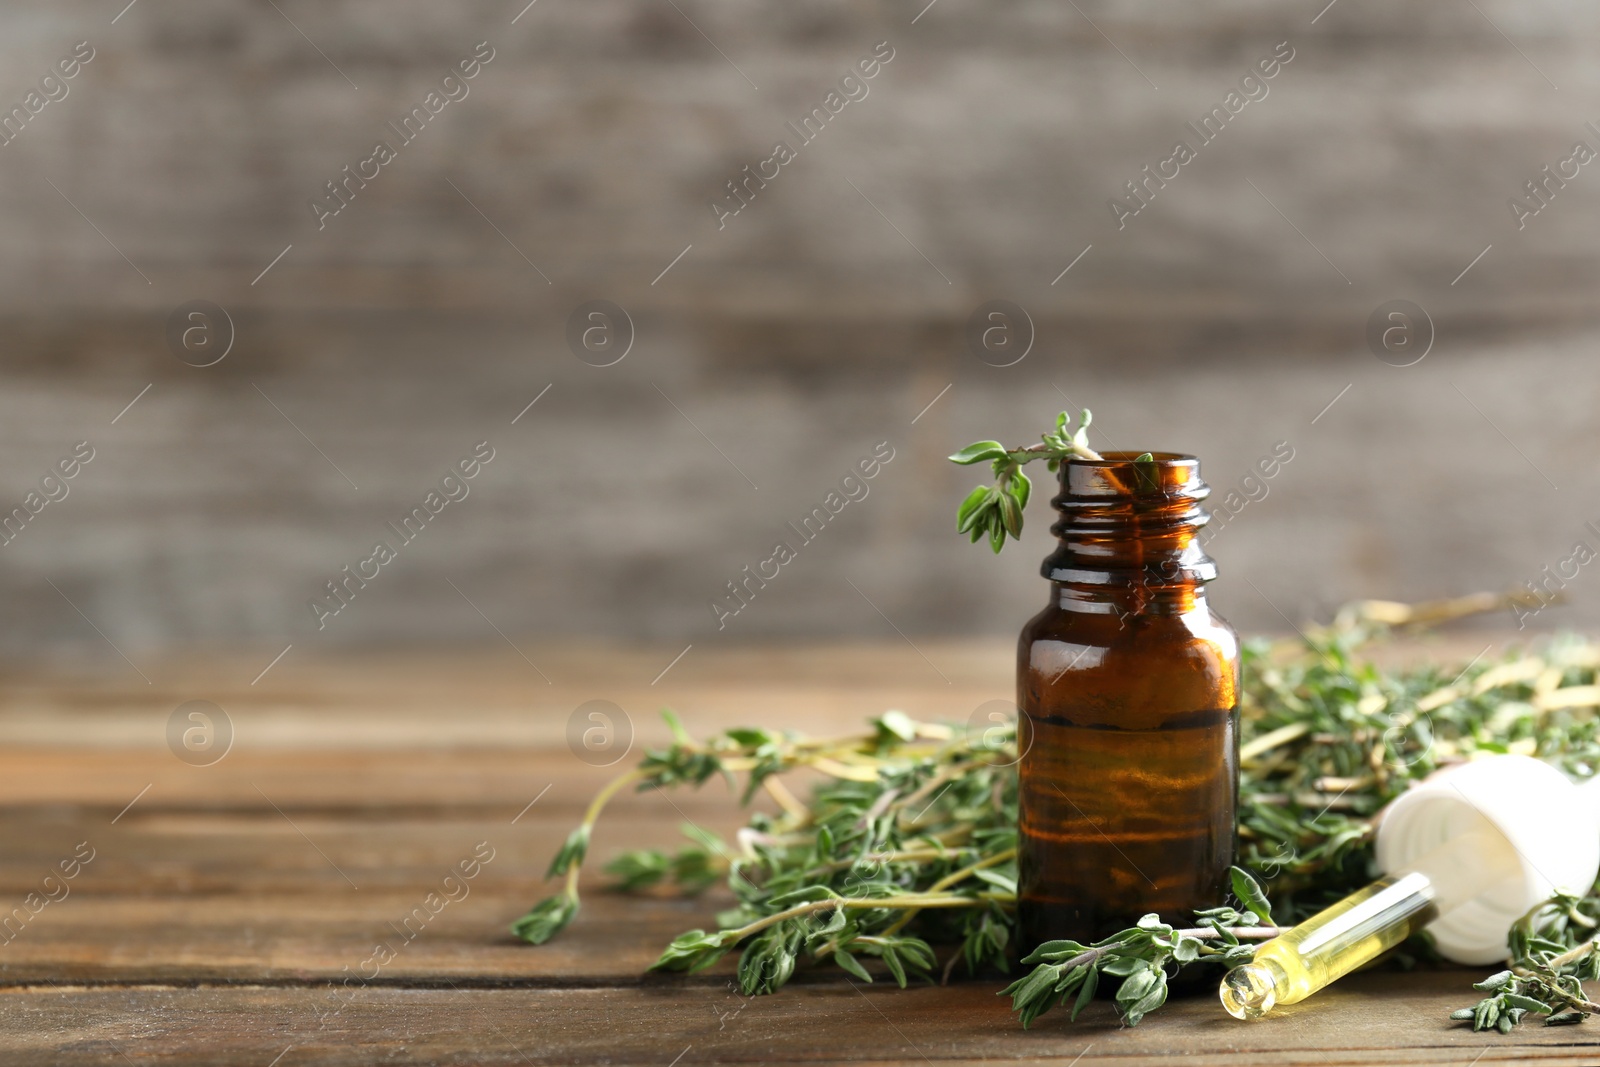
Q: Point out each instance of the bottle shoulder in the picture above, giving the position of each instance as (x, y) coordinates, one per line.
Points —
(1142, 669)
(1202, 624)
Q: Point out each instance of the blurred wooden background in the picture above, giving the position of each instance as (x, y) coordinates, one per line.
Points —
(821, 320)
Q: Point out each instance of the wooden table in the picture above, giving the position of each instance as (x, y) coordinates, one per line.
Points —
(227, 907)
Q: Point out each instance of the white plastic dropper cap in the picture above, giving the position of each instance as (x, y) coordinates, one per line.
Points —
(1518, 795)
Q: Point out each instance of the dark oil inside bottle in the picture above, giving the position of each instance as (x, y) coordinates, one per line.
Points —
(1144, 825)
(1128, 686)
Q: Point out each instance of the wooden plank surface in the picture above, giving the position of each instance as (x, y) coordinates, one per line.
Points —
(225, 911)
(1370, 1023)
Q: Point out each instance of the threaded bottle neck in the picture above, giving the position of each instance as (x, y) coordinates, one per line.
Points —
(1130, 526)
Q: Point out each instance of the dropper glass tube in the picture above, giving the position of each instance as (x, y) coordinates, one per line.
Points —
(1368, 923)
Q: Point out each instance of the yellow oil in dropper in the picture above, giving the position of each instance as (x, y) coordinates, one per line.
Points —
(1368, 923)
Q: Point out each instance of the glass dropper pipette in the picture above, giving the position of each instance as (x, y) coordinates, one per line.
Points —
(1469, 850)
(1368, 923)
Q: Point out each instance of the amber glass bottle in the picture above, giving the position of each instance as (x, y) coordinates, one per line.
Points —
(1128, 685)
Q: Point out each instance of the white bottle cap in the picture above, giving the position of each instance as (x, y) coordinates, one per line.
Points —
(1518, 795)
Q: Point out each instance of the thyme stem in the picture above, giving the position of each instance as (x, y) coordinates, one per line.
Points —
(908, 900)
(951, 879)
(591, 815)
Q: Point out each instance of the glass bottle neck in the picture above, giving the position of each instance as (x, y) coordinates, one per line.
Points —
(1129, 536)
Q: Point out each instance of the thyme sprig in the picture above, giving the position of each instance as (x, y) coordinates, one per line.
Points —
(1553, 952)
(913, 821)
(904, 855)
(994, 511)
(1140, 956)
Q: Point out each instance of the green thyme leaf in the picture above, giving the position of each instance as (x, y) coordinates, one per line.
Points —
(978, 452)
(1250, 893)
(570, 853)
(1010, 515)
(1493, 982)
(851, 964)
(546, 919)
(1021, 488)
(972, 508)
(639, 869)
